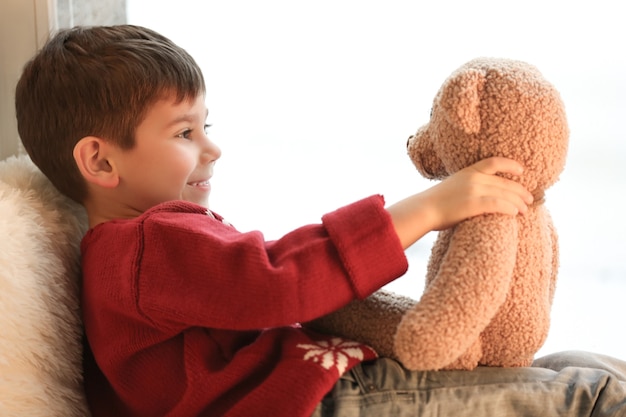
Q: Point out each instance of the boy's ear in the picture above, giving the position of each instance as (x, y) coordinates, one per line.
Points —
(92, 155)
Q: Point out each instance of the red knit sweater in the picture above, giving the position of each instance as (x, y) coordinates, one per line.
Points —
(186, 316)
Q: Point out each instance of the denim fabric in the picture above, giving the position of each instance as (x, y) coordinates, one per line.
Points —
(564, 384)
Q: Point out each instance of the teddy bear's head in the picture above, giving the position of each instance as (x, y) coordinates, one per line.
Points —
(494, 107)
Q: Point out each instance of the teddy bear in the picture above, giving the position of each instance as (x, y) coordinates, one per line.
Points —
(490, 279)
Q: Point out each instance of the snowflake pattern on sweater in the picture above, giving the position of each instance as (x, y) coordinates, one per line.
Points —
(336, 353)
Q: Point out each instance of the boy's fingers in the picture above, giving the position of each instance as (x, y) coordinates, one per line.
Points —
(508, 203)
(517, 189)
(497, 164)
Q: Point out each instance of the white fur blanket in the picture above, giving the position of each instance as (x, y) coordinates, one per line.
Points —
(40, 329)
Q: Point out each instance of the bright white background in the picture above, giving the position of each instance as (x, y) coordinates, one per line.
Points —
(312, 103)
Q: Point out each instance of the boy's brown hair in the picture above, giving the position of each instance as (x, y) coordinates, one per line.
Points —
(96, 81)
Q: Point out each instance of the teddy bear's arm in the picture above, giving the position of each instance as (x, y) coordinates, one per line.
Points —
(470, 284)
(372, 321)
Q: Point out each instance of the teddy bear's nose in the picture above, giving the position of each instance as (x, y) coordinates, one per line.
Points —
(409, 140)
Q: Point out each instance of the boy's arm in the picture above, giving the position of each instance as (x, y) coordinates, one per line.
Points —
(198, 272)
(194, 271)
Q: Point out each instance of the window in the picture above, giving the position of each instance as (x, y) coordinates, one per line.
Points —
(312, 103)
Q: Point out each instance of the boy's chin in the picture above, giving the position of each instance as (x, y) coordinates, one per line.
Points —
(201, 202)
(200, 198)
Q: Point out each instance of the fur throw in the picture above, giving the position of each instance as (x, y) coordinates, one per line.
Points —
(41, 334)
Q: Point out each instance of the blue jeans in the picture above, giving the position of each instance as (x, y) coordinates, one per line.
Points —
(563, 384)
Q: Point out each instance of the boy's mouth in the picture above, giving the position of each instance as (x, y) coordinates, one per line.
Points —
(198, 183)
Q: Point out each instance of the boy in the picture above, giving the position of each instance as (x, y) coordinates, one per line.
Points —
(185, 316)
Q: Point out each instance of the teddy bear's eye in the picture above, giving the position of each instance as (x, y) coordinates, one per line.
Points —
(431, 112)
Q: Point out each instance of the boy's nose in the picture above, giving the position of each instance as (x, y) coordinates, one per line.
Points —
(211, 152)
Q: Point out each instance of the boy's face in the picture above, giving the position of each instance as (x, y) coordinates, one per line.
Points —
(172, 159)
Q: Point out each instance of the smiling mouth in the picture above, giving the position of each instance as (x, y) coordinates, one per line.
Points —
(198, 183)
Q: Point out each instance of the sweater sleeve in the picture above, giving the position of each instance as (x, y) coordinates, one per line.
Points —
(195, 271)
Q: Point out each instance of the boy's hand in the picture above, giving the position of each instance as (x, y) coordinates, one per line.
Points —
(477, 190)
(472, 191)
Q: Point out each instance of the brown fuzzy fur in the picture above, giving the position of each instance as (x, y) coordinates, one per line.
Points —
(491, 279)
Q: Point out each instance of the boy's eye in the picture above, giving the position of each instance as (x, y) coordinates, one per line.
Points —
(185, 134)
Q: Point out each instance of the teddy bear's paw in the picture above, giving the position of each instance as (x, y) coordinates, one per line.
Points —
(518, 362)
(434, 360)
(416, 355)
(426, 340)
(416, 362)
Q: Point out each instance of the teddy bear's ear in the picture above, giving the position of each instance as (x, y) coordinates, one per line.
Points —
(460, 100)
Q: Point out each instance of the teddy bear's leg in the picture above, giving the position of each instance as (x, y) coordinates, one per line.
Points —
(522, 362)
(468, 360)
(470, 285)
(521, 325)
(516, 333)
(514, 336)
